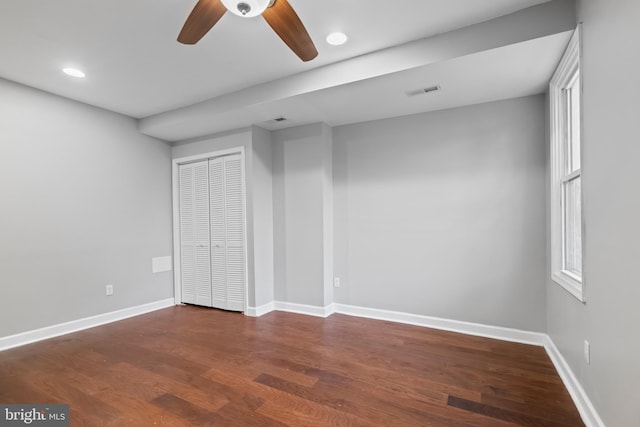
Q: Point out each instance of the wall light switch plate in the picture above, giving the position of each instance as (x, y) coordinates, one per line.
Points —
(109, 290)
(336, 282)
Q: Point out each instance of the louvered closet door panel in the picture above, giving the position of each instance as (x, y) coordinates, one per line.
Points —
(194, 233)
(218, 239)
(234, 213)
(187, 233)
(203, 251)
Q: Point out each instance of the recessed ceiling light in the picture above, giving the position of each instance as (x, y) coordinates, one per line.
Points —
(73, 72)
(337, 39)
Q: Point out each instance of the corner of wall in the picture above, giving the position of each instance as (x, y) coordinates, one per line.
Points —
(327, 214)
(263, 226)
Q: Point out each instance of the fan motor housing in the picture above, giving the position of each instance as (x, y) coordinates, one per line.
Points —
(246, 8)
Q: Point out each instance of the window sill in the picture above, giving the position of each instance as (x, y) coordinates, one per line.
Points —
(571, 285)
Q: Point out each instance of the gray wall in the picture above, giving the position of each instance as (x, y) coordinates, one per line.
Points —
(207, 144)
(302, 223)
(85, 201)
(443, 214)
(610, 319)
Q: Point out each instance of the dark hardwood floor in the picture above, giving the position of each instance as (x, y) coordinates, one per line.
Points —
(191, 366)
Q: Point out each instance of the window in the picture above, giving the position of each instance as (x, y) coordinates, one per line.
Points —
(566, 172)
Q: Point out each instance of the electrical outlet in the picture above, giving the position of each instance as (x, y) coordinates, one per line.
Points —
(109, 290)
(336, 282)
(587, 352)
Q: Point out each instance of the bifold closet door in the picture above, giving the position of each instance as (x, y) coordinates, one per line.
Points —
(226, 187)
(194, 233)
(212, 240)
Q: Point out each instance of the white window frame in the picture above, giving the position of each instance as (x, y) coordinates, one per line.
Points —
(564, 77)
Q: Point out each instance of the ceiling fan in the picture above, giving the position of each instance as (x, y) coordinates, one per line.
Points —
(278, 13)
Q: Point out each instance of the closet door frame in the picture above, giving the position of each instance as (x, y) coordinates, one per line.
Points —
(175, 178)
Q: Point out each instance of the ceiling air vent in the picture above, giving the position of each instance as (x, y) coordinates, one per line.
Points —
(278, 120)
(423, 91)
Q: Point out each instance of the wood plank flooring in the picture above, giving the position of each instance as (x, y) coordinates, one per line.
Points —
(192, 366)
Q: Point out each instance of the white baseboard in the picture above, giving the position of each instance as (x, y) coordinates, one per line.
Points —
(583, 403)
(29, 337)
(497, 332)
(309, 310)
(260, 311)
(477, 329)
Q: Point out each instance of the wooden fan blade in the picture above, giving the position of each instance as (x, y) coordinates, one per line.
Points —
(286, 23)
(202, 18)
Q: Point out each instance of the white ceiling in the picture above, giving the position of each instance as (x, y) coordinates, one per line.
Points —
(135, 66)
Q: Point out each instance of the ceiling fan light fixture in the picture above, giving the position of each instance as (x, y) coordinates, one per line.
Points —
(246, 8)
(279, 14)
